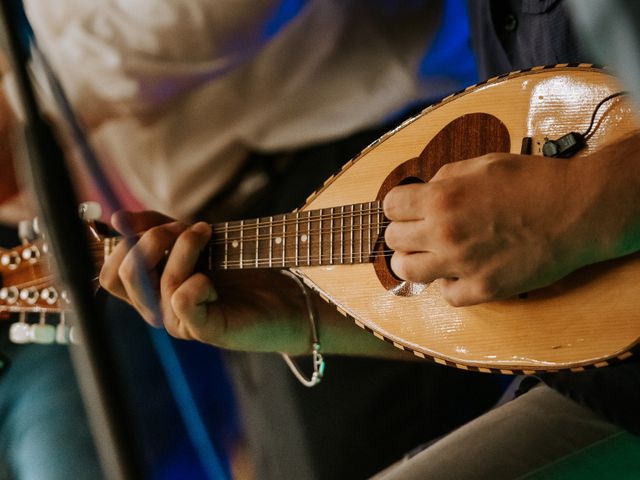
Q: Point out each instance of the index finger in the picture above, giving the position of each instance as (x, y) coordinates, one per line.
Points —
(183, 258)
(405, 202)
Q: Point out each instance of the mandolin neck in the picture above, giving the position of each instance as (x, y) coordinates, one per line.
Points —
(329, 236)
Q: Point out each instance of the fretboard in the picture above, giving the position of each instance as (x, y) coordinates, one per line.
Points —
(329, 236)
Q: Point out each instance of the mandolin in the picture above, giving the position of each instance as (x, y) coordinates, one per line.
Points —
(335, 242)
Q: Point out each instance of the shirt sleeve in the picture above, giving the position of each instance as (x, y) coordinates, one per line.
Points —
(116, 57)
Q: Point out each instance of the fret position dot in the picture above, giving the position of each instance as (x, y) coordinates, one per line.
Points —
(303, 238)
(235, 244)
(278, 240)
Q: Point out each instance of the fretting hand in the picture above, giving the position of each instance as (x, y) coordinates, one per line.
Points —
(260, 311)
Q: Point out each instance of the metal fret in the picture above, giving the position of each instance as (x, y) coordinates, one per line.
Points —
(241, 242)
(225, 264)
(257, 239)
(369, 230)
(270, 241)
(342, 234)
(297, 239)
(351, 237)
(361, 234)
(309, 237)
(320, 237)
(331, 237)
(284, 238)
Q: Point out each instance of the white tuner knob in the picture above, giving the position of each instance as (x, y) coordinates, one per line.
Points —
(62, 331)
(62, 334)
(26, 232)
(74, 336)
(20, 332)
(35, 223)
(90, 211)
(42, 333)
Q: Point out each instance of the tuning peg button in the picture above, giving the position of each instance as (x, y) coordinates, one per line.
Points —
(20, 332)
(26, 232)
(62, 334)
(74, 337)
(42, 333)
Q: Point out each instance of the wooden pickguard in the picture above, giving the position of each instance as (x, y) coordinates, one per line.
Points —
(588, 319)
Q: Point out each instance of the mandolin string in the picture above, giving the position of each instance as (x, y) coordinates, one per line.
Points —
(287, 234)
(37, 282)
(370, 228)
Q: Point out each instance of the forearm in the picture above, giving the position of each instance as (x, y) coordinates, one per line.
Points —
(608, 191)
(340, 335)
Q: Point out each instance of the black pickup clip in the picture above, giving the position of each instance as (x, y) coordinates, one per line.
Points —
(565, 146)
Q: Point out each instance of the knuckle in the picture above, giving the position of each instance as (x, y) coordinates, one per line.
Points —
(399, 265)
(447, 169)
(169, 282)
(126, 270)
(492, 158)
(445, 199)
(453, 300)
(452, 233)
(180, 301)
(404, 268)
(485, 288)
(172, 328)
(155, 234)
(389, 203)
(391, 235)
(107, 279)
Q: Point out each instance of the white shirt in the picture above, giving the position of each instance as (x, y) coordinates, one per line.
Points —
(177, 92)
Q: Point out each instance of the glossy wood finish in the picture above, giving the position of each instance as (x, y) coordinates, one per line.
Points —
(589, 319)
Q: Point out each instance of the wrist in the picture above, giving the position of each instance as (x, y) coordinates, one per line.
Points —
(605, 187)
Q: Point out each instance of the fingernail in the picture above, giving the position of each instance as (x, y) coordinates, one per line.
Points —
(201, 228)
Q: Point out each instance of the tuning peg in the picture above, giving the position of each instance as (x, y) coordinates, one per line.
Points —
(20, 332)
(35, 223)
(49, 295)
(26, 231)
(62, 331)
(42, 333)
(90, 211)
(9, 294)
(29, 295)
(31, 254)
(74, 337)
(11, 260)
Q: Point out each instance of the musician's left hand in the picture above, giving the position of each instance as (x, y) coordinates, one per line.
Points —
(502, 224)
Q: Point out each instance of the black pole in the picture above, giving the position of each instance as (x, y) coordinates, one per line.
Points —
(93, 360)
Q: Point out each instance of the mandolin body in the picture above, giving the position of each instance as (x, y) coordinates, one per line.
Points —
(589, 319)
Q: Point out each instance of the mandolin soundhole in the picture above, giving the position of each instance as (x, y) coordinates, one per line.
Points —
(468, 136)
